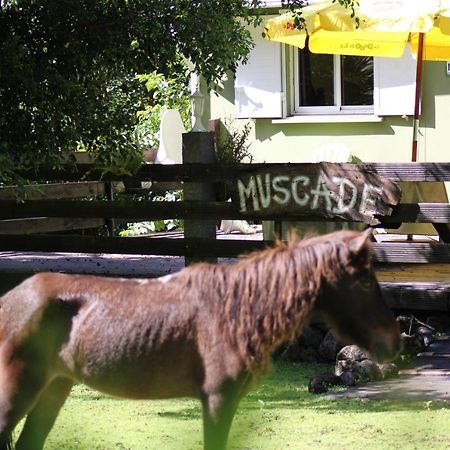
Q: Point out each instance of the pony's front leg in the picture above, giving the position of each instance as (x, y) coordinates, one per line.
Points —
(218, 413)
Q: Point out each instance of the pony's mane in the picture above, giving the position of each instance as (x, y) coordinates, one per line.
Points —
(265, 298)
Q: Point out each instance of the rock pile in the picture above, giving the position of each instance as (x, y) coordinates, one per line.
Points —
(352, 364)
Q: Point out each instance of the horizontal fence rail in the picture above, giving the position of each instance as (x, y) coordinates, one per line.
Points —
(199, 172)
(145, 210)
(392, 252)
(30, 225)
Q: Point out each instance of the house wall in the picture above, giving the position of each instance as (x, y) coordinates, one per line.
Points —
(386, 141)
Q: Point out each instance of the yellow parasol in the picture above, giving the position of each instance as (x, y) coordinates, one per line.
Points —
(379, 28)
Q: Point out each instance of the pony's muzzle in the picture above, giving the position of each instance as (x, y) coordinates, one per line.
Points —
(384, 350)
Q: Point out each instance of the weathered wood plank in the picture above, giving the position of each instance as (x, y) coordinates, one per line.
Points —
(421, 212)
(435, 272)
(222, 172)
(47, 225)
(325, 189)
(384, 252)
(135, 245)
(412, 252)
(115, 209)
(53, 191)
(420, 296)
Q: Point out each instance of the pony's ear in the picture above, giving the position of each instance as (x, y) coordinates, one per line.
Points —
(359, 244)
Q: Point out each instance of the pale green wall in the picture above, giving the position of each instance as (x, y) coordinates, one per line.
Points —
(386, 141)
(435, 125)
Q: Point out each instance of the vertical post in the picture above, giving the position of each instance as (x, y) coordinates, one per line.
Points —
(417, 99)
(278, 229)
(109, 191)
(198, 147)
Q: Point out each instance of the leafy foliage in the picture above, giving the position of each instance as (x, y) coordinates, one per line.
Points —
(164, 93)
(68, 69)
(151, 226)
(296, 6)
(233, 144)
(232, 148)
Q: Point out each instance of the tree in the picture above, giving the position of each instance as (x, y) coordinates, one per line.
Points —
(68, 68)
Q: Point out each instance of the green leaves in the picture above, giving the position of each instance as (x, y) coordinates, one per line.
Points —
(68, 70)
(163, 93)
(151, 226)
(296, 6)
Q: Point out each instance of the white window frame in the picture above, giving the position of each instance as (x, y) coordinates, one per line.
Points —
(261, 86)
(338, 108)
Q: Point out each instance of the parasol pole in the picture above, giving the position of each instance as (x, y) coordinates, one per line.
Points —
(417, 99)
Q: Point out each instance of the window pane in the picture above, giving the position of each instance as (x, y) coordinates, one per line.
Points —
(357, 80)
(316, 75)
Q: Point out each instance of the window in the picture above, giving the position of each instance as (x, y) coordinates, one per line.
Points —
(330, 84)
(286, 84)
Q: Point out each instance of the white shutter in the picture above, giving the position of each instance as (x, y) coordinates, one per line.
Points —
(395, 85)
(258, 84)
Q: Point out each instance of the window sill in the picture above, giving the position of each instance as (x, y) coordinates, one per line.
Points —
(329, 118)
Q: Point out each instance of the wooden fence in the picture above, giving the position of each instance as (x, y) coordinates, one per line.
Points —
(299, 192)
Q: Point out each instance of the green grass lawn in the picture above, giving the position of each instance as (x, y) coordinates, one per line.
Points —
(279, 414)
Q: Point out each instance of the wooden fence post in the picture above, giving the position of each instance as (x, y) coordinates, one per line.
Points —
(198, 147)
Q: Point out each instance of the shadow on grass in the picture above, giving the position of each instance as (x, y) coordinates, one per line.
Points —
(183, 414)
(286, 387)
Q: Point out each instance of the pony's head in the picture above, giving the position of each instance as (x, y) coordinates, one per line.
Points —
(351, 301)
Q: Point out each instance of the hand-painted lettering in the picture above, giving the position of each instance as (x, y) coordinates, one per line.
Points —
(305, 181)
(367, 204)
(246, 192)
(321, 191)
(343, 207)
(336, 195)
(282, 195)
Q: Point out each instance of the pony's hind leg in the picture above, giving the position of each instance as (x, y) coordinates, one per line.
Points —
(19, 390)
(28, 357)
(42, 416)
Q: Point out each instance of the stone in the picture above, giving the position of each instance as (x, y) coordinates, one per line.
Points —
(329, 347)
(304, 348)
(425, 335)
(348, 378)
(295, 351)
(346, 365)
(311, 337)
(321, 383)
(369, 371)
(352, 352)
(388, 370)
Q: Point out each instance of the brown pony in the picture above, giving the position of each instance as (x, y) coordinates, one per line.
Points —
(205, 332)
